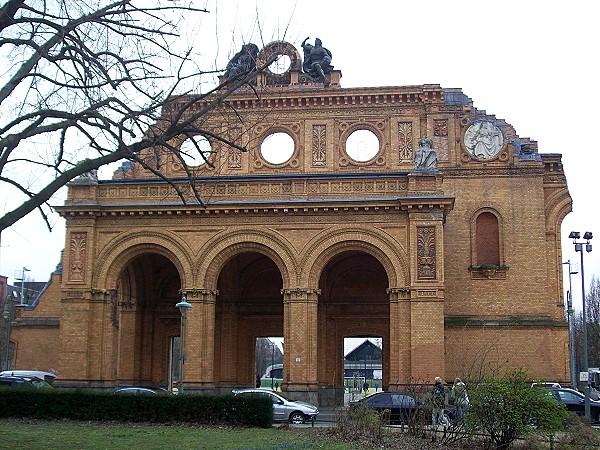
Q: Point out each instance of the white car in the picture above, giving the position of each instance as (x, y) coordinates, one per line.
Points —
(48, 377)
(284, 410)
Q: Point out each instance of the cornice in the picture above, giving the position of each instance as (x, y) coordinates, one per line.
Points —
(262, 207)
(307, 97)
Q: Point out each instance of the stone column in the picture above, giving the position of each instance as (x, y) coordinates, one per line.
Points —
(200, 340)
(400, 339)
(300, 341)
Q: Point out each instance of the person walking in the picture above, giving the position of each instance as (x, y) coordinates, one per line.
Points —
(438, 403)
(460, 398)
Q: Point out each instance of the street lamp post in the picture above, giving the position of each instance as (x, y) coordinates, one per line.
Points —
(575, 235)
(272, 362)
(183, 307)
(6, 314)
(570, 325)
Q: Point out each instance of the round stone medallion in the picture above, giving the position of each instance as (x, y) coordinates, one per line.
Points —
(483, 140)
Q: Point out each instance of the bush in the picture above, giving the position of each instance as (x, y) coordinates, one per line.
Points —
(87, 405)
(509, 408)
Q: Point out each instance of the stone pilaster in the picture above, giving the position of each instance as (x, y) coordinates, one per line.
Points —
(427, 345)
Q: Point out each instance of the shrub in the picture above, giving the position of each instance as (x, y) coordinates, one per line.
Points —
(509, 408)
(87, 405)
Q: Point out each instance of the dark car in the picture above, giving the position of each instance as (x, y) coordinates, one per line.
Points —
(143, 390)
(403, 407)
(283, 408)
(575, 402)
(23, 382)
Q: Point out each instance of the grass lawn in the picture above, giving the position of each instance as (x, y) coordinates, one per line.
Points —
(72, 435)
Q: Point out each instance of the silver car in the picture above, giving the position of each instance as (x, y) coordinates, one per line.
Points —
(285, 410)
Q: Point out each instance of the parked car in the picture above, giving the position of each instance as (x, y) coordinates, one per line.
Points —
(575, 402)
(402, 406)
(143, 390)
(23, 382)
(546, 384)
(48, 377)
(284, 410)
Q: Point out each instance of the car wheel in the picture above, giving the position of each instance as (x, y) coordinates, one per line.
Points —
(296, 418)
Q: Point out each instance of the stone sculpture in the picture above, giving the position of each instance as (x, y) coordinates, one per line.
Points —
(317, 60)
(243, 63)
(425, 156)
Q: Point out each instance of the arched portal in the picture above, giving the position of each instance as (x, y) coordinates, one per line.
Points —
(353, 302)
(146, 292)
(249, 305)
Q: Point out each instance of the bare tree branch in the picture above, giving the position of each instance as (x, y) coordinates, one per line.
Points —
(86, 87)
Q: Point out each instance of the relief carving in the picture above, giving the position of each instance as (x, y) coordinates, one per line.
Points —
(426, 264)
(319, 145)
(440, 138)
(234, 157)
(405, 141)
(77, 252)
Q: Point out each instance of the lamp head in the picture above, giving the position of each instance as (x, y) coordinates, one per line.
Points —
(183, 306)
(588, 235)
(574, 235)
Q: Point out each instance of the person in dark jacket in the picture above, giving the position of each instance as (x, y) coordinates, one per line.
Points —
(438, 403)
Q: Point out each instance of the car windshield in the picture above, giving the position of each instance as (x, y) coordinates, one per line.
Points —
(41, 384)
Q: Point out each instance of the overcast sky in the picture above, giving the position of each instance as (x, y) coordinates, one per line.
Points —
(532, 64)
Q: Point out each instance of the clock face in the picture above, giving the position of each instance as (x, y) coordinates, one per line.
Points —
(483, 140)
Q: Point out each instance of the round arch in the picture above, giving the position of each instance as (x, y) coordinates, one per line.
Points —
(558, 205)
(380, 246)
(126, 247)
(219, 250)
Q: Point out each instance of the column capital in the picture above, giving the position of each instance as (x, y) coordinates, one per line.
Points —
(200, 295)
(398, 293)
(300, 295)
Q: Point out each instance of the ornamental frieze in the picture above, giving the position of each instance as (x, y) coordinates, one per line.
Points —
(247, 189)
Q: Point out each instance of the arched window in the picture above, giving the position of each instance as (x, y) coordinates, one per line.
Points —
(487, 240)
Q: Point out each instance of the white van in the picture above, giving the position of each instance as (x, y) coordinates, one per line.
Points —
(48, 377)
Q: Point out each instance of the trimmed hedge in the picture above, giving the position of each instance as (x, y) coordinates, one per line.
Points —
(88, 405)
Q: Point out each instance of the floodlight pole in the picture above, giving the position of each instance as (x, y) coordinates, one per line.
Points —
(22, 283)
(588, 248)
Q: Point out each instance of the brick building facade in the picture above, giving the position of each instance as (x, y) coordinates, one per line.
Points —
(454, 266)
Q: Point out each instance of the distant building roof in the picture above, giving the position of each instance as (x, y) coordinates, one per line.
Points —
(365, 351)
(31, 291)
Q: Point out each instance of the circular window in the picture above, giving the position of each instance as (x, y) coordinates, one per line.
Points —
(277, 148)
(281, 65)
(193, 149)
(362, 145)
